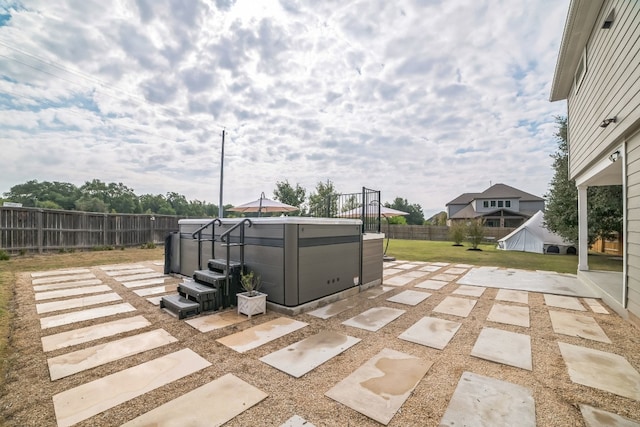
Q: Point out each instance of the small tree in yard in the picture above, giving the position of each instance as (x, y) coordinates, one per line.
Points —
(457, 231)
(475, 233)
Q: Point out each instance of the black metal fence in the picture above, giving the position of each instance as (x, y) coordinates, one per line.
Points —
(42, 230)
(364, 206)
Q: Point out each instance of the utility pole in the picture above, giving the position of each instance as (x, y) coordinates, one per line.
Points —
(221, 206)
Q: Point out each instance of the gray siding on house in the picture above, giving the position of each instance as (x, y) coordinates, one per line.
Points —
(531, 206)
(633, 224)
(609, 88)
(454, 209)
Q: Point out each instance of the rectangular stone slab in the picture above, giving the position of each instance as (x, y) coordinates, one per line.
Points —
(509, 315)
(431, 284)
(604, 371)
(67, 285)
(134, 277)
(594, 417)
(456, 270)
(80, 316)
(409, 297)
(376, 291)
(391, 271)
(380, 386)
(70, 271)
(90, 357)
(521, 297)
(48, 307)
(93, 332)
(508, 348)
(145, 292)
(306, 355)
(576, 325)
(445, 277)
(415, 274)
(144, 282)
(216, 321)
(455, 306)
(430, 268)
(261, 334)
(297, 421)
(480, 401)
(89, 399)
(212, 404)
(595, 306)
(123, 272)
(398, 280)
(333, 309)
(155, 300)
(440, 264)
(431, 332)
(65, 278)
(570, 303)
(121, 267)
(407, 266)
(374, 318)
(470, 291)
(62, 293)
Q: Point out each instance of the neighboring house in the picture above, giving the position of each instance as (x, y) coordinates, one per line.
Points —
(597, 73)
(499, 206)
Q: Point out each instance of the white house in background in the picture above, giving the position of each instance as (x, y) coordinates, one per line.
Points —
(598, 74)
(499, 206)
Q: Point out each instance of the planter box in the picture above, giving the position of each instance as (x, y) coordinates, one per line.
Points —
(252, 305)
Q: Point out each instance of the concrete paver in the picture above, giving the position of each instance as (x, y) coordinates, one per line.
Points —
(604, 371)
(374, 318)
(509, 315)
(260, 334)
(520, 297)
(432, 284)
(570, 303)
(455, 306)
(508, 348)
(378, 388)
(594, 417)
(576, 325)
(409, 297)
(480, 401)
(431, 332)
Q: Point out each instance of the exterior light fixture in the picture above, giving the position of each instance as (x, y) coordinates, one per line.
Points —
(607, 122)
(608, 21)
(614, 156)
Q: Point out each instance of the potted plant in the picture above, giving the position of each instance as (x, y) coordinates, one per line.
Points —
(251, 301)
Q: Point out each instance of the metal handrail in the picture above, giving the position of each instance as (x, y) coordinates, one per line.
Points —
(213, 239)
(222, 239)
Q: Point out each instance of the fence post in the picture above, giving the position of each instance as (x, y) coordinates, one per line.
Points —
(40, 231)
(105, 224)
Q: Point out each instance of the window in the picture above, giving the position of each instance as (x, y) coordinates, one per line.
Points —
(492, 223)
(485, 204)
(507, 203)
(500, 203)
(493, 203)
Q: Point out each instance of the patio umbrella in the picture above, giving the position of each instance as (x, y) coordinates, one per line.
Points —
(264, 205)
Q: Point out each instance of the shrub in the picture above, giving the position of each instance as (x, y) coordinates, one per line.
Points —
(475, 232)
(4, 255)
(250, 283)
(457, 232)
(148, 245)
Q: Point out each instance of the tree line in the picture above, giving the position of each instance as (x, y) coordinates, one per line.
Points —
(98, 196)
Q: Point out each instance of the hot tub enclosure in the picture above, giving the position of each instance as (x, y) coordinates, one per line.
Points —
(299, 259)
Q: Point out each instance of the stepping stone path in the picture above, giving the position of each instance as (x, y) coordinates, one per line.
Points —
(377, 389)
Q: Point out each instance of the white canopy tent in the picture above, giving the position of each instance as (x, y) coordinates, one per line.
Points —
(533, 236)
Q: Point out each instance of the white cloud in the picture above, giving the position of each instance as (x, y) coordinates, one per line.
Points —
(421, 99)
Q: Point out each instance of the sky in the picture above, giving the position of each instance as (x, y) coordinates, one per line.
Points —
(420, 99)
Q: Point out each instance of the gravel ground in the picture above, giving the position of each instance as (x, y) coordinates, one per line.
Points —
(28, 395)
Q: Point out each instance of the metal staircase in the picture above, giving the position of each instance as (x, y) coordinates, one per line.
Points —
(216, 286)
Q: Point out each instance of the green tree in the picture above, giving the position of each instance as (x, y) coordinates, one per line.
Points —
(604, 204)
(475, 232)
(63, 194)
(91, 204)
(285, 193)
(415, 217)
(397, 220)
(324, 202)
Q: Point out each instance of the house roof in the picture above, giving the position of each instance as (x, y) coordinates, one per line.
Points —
(496, 191)
(463, 199)
(504, 191)
(581, 19)
(469, 212)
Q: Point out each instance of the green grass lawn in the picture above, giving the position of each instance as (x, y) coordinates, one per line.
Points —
(426, 250)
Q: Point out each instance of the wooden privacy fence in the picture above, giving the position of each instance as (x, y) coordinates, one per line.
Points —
(434, 232)
(42, 230)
